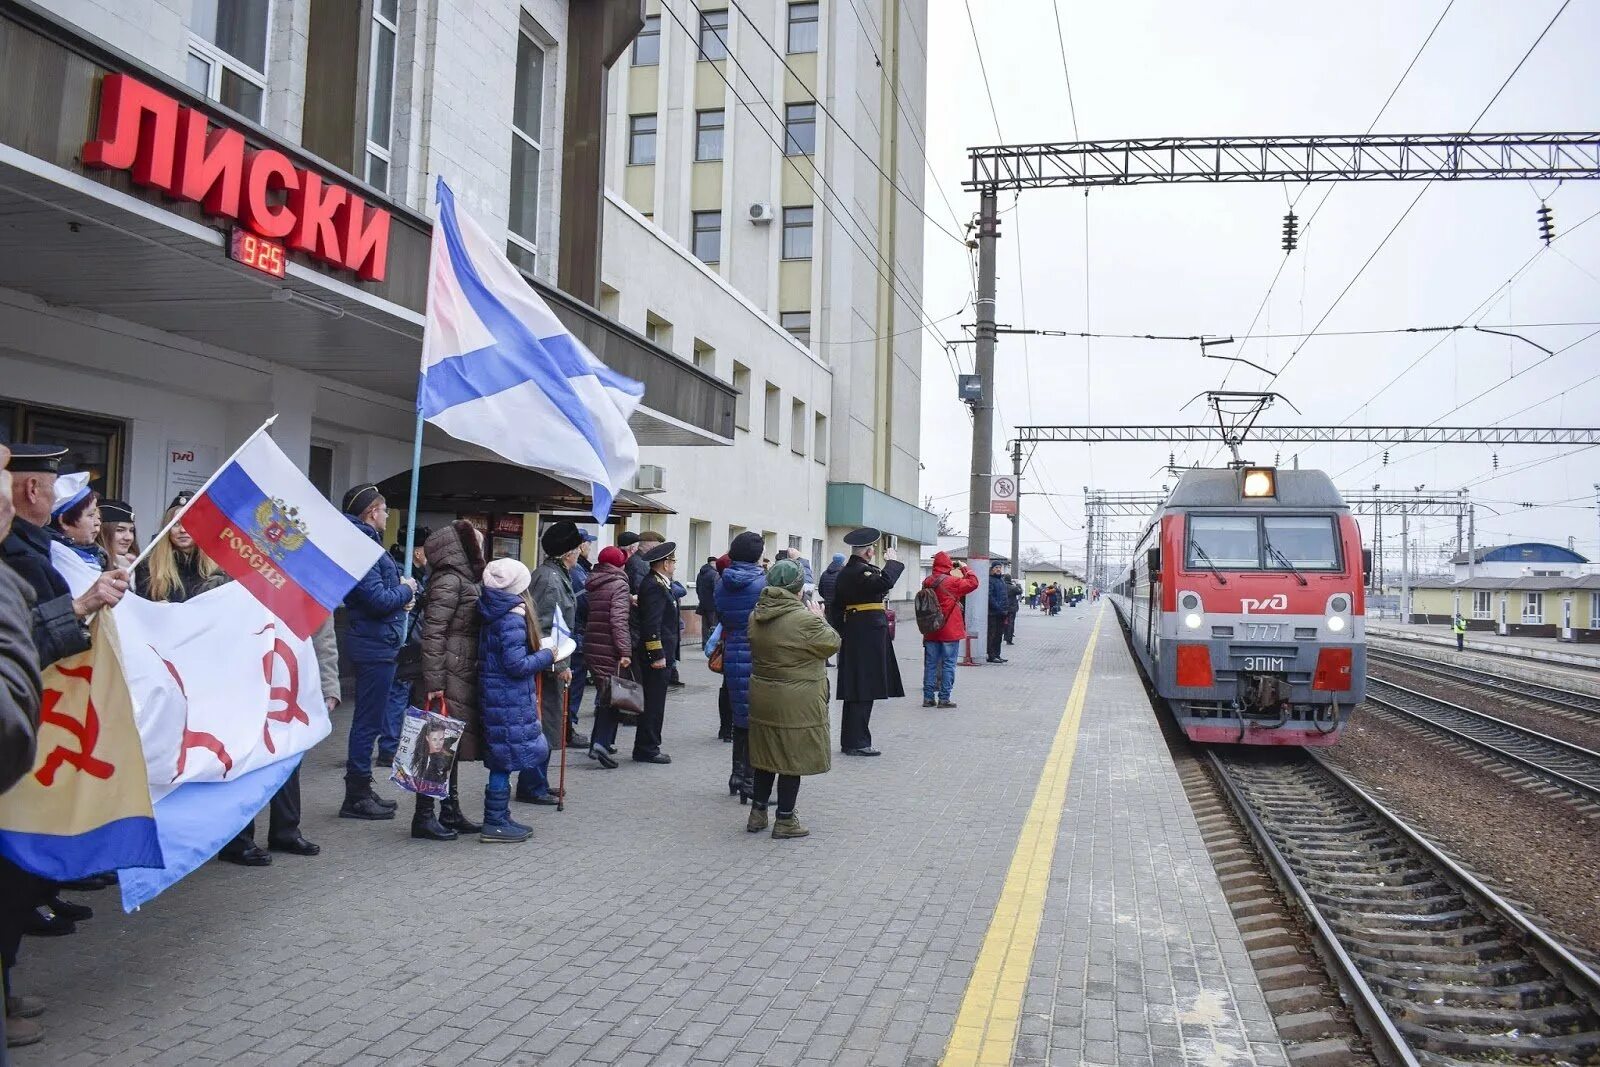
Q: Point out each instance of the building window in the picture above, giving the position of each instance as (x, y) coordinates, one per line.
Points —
(527, 125)
(380, 92)
(797, 232)
(657, 330)
(816, 556)
(641, 139)
(819, 438)
(802, 28)
(705, 357)
(708, 236)
(714, 34)
(798, 323)
(741, 405)
(797, 437)
(799, 129)
(770, 428)
(227, 58)
(1533, 609)
(1481, 606)
(708, 134)
(1594, 611)
(647, 46)
(699, 543)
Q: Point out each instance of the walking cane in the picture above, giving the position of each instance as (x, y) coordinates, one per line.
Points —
(561, 787)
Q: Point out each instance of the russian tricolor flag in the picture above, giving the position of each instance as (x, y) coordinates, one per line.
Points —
(268, 527)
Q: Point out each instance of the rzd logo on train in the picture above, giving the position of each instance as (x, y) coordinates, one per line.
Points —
(1276, 602)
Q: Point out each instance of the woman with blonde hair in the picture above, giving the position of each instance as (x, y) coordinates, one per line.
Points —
(176, 570)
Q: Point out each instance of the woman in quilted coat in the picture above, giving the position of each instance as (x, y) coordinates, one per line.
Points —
(448, 631)
(508, 713)
(737, 593)
(790, 645)
(607, 645)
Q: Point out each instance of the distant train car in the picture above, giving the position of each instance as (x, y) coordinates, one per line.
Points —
(1246, 608)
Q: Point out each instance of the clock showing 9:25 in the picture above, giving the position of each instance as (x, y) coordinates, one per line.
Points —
(258, 252)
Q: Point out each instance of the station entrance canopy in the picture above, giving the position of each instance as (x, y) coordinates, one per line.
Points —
(471, 485)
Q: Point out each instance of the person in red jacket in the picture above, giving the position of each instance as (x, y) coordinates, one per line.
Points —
(949, 582)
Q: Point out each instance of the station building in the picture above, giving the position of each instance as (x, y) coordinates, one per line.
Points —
(1566, 606)
(751, 145)
(214, 212)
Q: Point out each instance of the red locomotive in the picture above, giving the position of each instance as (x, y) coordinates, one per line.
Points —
(1245, 607)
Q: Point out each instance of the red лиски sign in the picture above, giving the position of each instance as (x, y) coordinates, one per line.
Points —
(174, 149)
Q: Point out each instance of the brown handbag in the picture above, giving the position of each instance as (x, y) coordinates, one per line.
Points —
(625, 695)
(715, 660)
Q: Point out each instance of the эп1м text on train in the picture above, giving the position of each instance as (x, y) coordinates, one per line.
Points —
(1245, 606)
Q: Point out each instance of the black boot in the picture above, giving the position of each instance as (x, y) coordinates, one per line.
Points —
(425, 826)
(451, 815)
(741, 765)
(359, 803)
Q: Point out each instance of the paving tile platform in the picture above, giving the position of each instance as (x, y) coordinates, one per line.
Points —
(644, 926)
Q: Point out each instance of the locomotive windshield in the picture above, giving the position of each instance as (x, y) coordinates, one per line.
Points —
(1306, 541)
(1229, 542)
(1262, 542)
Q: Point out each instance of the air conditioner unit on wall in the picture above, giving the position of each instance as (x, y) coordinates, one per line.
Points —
(650, 479)
(761, 213)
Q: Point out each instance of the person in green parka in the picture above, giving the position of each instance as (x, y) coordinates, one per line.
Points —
(789, 647)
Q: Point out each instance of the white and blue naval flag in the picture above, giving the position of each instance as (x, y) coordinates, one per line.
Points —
(499, 370)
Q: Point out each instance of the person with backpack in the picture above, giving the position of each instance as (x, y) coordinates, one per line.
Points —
(939, 617)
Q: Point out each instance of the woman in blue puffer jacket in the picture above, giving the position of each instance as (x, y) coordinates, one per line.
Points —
(737, 592)
(508, 714)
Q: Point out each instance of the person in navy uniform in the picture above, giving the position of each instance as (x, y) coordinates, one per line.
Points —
(658, 622)
(867, 667)
(58, 620)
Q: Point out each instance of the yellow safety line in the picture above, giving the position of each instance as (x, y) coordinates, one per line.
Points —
(986, 1027)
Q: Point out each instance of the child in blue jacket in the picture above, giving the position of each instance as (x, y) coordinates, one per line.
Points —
(509, 714)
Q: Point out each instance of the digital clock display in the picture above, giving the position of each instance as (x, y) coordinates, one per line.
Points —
(258, 252)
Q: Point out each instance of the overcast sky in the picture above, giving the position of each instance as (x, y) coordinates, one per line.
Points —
(1197, 259)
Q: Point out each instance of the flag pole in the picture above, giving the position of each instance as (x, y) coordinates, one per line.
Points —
(198, 493)
(411, 511)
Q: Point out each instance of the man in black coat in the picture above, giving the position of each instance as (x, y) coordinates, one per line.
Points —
(57, 627)
(58, 620)
(653, 644)
(830, 578)
(867, 667)
(705, 592)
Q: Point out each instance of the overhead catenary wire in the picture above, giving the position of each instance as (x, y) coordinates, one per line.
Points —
(876, 258)
(841, 127)
(1272, 380)
(922, 150)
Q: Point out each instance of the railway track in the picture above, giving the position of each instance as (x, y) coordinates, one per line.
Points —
(1581, 706)
(1436, 967)
(1569, 767)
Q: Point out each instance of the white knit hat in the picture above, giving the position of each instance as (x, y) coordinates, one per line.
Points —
(510, 575)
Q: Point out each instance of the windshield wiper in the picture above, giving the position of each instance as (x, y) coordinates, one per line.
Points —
(1194, 546)
(1272, 550)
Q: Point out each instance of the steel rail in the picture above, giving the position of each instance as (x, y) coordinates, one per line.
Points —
(1551, 952)
(1388, 1046)
(1585, 705)
(1380, 1028)
(1583, 789)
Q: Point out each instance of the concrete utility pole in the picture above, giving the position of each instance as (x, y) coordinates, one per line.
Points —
(1016, 519)
(1405, 563)
(1472, 541)
(983, 413)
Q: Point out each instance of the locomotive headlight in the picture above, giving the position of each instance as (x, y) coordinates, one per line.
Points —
(1193, 620)
(1335, 623)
